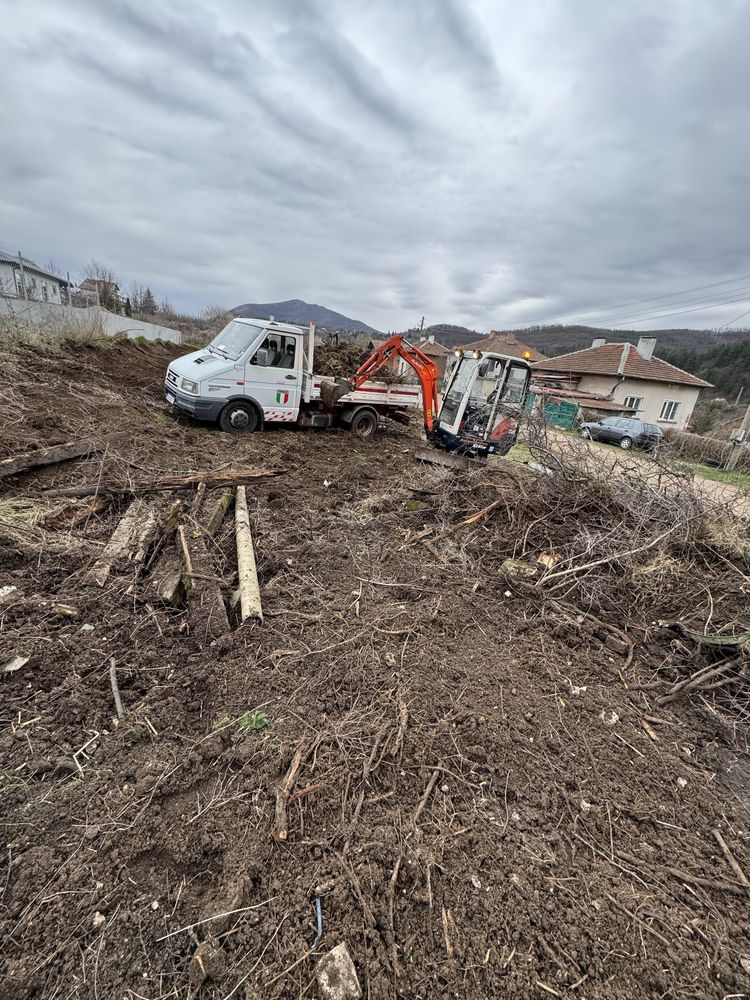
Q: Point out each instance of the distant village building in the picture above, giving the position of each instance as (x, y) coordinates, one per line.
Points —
(505, 343)
(622, 378)
(438, 354)
(21, 278)
(99, 291)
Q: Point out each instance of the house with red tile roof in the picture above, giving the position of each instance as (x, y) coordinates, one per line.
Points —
(505, 343)
(630, 377)
(429, 346)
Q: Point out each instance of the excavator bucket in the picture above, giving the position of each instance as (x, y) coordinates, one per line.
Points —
(332, 391)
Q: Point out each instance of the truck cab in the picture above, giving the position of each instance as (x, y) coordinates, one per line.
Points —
(252, 371)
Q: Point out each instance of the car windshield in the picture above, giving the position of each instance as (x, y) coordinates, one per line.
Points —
(234, 339)
(652, 429)
(610, 422)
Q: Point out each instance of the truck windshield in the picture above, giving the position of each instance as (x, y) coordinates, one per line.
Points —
(234, 339)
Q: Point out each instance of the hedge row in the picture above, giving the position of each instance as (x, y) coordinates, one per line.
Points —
(697, 448)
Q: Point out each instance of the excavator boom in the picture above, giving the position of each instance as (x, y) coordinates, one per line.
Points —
(423, 366)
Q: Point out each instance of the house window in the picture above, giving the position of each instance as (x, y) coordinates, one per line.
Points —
(634, 402)
(669, 411)
(19, 283)
(45, 291)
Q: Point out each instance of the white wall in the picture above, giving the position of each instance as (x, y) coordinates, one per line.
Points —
(34, 284)
(654, 395)
(7, 279)
(51, 315)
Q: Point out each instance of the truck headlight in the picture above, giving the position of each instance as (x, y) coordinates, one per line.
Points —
(189, 386)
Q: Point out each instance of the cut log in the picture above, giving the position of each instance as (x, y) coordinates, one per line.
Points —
(166, 578)
(121, 545)
(57, 453)
(211, 479)
(250, 603)
(217, 514)
(207, 614)
(146, 535)
(73, 515)
(170, 521)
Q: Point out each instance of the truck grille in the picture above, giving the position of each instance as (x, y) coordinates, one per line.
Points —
(171, 378)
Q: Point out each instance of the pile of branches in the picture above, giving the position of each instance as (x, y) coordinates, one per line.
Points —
(635, 545)
(342, 360)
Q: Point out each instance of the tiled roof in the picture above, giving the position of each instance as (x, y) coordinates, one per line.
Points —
(9, 258)
(618, 359)
(431, 347)
(505, 343)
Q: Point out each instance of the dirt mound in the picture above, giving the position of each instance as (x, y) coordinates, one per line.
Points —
(463, 702)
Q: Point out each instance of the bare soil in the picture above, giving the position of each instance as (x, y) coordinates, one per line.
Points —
(489, 801)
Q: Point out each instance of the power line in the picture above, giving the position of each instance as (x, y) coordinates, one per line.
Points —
(616, 316)
(681, 312)
(672, 295)
(731, 321)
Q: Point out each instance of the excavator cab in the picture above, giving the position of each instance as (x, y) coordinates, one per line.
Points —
(483, 404)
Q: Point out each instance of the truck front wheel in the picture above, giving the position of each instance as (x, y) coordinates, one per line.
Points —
(364, 423)
(237, 418)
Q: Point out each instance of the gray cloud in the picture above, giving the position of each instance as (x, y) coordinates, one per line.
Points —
(479, 162)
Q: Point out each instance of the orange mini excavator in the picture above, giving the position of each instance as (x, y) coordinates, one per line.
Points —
(482, 405)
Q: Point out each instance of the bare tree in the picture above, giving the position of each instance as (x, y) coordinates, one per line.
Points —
(137, 295)
(106, 283)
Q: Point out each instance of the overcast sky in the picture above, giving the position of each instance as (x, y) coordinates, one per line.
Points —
(488, 163)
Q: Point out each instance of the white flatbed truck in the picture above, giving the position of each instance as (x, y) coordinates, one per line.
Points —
(257, 372)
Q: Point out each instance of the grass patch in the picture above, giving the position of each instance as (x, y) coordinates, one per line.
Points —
(160, 417)
(19, 512)
(731, 477)
(248, 722)
(520, 453)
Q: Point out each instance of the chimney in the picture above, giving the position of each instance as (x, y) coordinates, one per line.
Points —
(599, 342)
(431, 338)
(511, 338)
(646, 347)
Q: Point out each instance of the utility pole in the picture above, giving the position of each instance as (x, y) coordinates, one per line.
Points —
(70, 298)
(23, 279)
(740, 436)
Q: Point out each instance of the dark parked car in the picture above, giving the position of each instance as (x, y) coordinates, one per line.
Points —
(625, 431)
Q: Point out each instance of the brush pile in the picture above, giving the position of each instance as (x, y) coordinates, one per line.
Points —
(342, 361)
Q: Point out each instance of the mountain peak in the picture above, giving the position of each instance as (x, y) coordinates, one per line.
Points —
(301, 312)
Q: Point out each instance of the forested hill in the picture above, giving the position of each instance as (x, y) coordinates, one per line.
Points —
(559, 339)
(727, 366)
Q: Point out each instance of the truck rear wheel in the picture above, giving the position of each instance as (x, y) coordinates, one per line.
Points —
(364, 423)
(238, 418)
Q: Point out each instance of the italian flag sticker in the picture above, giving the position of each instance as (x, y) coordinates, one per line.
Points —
(281, 396)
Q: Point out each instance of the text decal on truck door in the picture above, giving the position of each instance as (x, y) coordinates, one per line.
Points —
(282, 397)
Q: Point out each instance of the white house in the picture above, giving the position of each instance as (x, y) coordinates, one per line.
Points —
(17, 273)
(649, 388)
